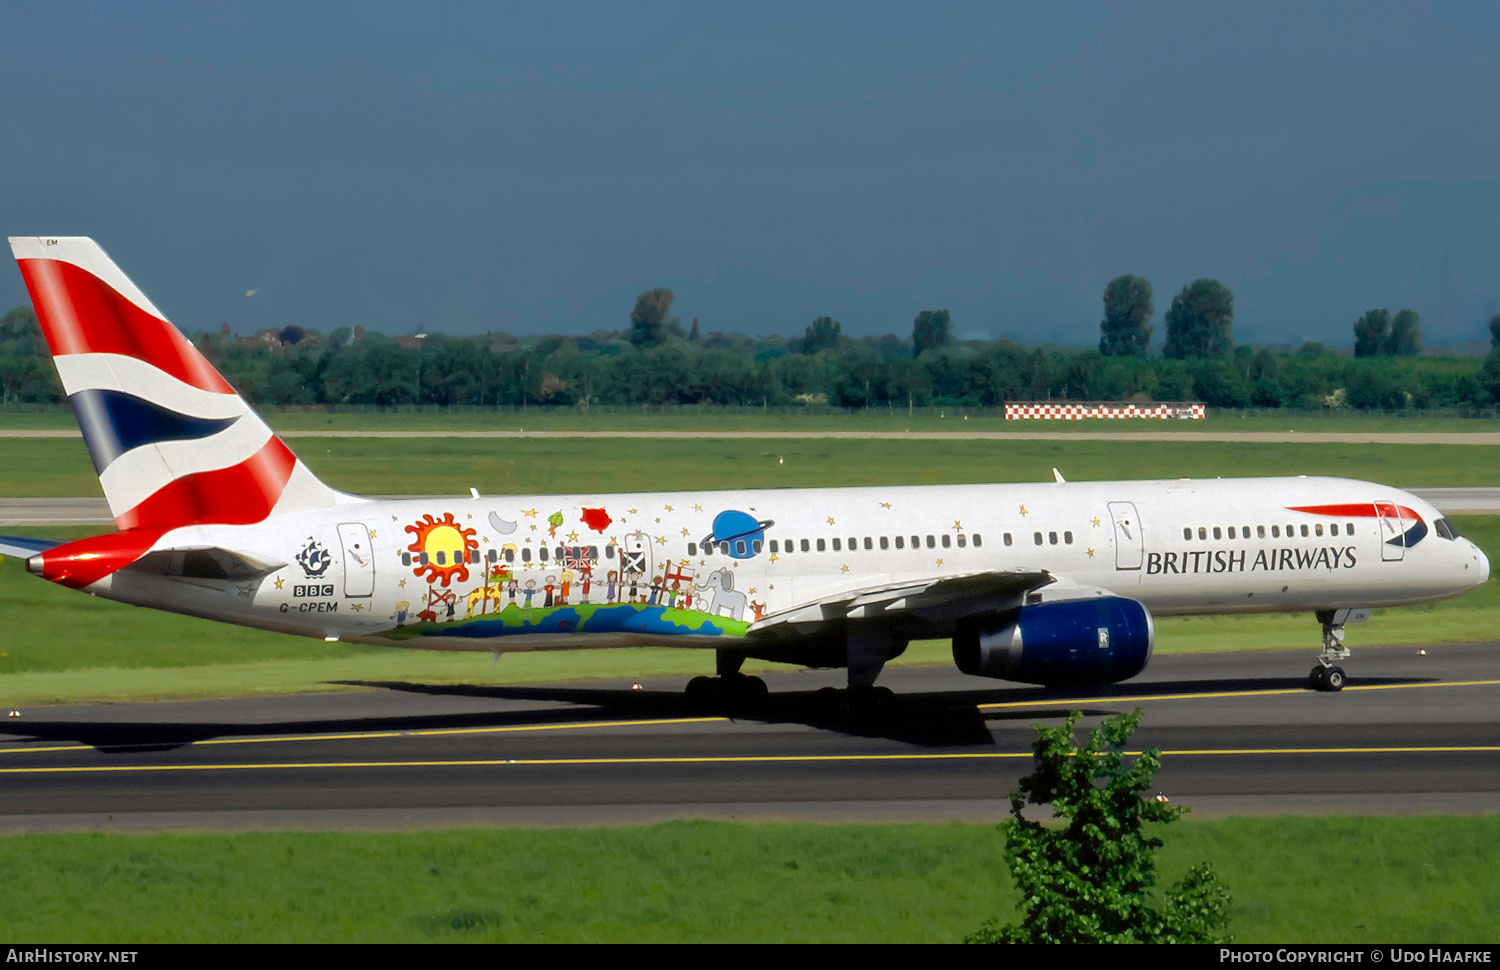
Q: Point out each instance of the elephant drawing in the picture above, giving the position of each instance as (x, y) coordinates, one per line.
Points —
(721, 582)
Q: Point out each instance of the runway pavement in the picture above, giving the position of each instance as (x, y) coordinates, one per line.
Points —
(1241, 733)
(94, 511)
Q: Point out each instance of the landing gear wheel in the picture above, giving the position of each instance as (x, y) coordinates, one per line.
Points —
(868, 702)
(751, 693)
(702, 692)
(1333, 679)
(1314, 679)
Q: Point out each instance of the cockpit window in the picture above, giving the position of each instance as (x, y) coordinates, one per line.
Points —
(1445, 529)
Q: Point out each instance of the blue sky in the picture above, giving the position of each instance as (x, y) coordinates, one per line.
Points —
(530, 168)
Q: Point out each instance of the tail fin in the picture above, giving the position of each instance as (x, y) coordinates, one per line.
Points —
(173, 443)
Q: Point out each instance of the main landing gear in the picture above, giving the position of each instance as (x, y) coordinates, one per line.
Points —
(730, 690)
(1325, 676)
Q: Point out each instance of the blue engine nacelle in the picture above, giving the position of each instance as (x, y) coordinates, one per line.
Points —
(1063, 643)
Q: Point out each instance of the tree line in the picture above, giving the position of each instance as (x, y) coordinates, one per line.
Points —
(655, 361)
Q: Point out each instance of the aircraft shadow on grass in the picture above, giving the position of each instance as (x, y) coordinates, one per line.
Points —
(926, 719)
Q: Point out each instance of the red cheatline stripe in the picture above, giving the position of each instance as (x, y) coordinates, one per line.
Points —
(237, 495)
(81, 314)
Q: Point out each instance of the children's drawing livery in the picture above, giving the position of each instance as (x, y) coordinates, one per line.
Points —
(1052, 583)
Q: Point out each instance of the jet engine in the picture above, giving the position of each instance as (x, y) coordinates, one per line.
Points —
(1098, 640)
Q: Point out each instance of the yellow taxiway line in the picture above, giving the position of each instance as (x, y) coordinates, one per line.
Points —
(725, 759)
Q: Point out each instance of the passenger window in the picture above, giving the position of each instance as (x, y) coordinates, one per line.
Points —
(1006, 539)
(806, 545)
(1052, 538)
(1231, 532)
(853, 544)
(1304, 532)
(774, 546)
(609, 551)
(422, 558)
(837, 545)
(1068, 538)
(916, 542)
(1318, 529)
(755, 545)
(739, 547)
(946, 541)
(931, 542)
(1333, 528)
(1275, 532)
(1217, 535)
(1260, 532)
(542, 553)
(1348, 528)
(526, 554)
(885, 542)
(1187, 533)
(1202, 532)
(821, 546)
(406, 559)
(692, 548)
(979, 540)
(493, 555)
(869, 544)
(1038, 538)
(440, 557)
(900, 542)
(961, 542)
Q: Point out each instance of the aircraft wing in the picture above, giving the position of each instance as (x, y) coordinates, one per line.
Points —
(24, 547)
(928, 601)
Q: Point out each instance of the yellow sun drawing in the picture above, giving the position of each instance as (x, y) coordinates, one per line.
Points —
(446, 544)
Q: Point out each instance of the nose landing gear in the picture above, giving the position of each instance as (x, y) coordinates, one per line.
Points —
(1325, 676)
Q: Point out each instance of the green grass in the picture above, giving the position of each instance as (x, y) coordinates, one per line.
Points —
(709, 418)
(50, 467)
(1326, 880)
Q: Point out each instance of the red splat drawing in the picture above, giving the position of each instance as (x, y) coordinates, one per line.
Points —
(596, 519)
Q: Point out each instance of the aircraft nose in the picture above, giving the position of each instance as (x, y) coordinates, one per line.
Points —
(1482, 564)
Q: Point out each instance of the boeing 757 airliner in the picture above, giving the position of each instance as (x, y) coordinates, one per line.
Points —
(1054, 583)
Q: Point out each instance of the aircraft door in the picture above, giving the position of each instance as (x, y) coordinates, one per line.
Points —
(1130, 547)
(1392, 534)
(359, 559)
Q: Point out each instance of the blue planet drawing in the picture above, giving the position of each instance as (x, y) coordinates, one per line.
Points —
(731, 527)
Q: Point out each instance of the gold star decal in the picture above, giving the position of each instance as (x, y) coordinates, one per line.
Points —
(658, 518)
(830, 520)
(1091, 554)
(697, 508)
(280, 582)
(940, 562)
(844, 568)
(1023, 510)
(632, 511)
(958, 526)
(357, 607)
(372, 533)
(572, 537)
(685, 564)
(1096, 522)
(684, 532)
(402, 583)
(394, 519)
(529, 513)
(669, 508)
(533, 528)
(661, 540)
(885, 505)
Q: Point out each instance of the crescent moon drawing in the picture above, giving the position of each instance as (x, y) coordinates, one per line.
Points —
(500, 525)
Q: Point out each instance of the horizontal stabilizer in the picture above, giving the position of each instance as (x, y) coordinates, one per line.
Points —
(24, 547)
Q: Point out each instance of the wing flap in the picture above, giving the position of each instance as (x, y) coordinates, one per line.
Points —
(983, 590)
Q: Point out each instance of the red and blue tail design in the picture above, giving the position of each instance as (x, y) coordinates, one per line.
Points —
(173, 443)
